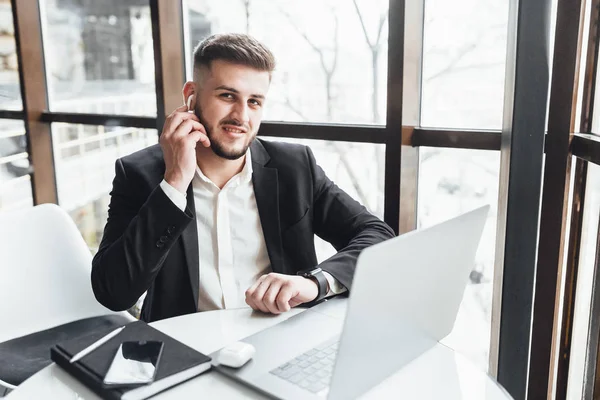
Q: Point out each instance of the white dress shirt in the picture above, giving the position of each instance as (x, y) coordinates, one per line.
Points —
(232, 249)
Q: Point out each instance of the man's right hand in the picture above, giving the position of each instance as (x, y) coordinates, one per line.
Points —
(181, 132)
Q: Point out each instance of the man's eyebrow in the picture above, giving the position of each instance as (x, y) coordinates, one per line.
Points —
(233, 90)
(230, 89)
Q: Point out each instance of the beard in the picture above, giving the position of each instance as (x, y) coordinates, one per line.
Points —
(218, 147)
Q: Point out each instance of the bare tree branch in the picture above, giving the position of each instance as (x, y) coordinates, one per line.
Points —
(375, 49)
(337, 148)
(458, 58)
(328, 71)
(336, 42)
(319, 51)
(362, 24)
(246, 4)
(353, 178)
(463, 68)
(462, 53)
(288, 103)
(452, 65)
(382, 20)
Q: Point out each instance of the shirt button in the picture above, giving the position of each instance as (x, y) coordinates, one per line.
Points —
(160, 244)
(163, 239)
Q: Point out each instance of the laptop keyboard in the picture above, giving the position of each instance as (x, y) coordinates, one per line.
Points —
(311, 370)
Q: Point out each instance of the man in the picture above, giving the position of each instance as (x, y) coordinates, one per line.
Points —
(214, 218)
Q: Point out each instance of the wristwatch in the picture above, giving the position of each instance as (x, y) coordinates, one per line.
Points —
(318, 276)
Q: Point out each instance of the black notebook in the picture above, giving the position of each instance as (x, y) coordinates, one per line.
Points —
(178, 362)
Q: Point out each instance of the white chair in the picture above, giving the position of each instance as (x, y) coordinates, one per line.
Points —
(45, 286)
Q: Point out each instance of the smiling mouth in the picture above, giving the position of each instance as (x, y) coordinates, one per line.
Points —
(233, 130)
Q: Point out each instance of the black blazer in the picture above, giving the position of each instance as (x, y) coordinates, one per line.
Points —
(150, 244)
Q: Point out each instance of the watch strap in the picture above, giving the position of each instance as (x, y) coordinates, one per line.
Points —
(319, 277)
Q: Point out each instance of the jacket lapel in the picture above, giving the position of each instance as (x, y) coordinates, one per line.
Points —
(266, 191)
(189, 238)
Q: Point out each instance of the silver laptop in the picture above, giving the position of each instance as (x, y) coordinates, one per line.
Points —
(404, 299)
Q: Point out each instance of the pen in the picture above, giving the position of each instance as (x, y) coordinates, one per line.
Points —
(96, 344)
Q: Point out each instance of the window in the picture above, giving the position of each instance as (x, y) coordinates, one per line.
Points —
(452, 182)
(84, 157)
(587, 258)
(15, 179)
(10, 92)
(464, 55)
(99, 56)
(327, 69)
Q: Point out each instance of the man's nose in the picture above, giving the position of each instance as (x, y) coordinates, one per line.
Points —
(241, 113)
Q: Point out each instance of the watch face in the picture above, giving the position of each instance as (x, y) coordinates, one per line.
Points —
(314, 271)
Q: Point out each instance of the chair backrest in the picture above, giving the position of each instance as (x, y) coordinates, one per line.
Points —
(45, 270)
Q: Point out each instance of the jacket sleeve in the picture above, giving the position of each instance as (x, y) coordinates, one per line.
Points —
(343, 222)
(137, 239)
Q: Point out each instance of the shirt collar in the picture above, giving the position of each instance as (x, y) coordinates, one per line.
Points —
(245, 175)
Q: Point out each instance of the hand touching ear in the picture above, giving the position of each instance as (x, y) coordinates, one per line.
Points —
(181, 133)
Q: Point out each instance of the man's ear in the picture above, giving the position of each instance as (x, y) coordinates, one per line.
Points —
(189, 95)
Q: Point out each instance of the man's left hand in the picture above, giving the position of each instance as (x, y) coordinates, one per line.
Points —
(277, 293)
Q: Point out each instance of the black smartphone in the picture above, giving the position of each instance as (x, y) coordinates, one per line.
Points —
(134, 363)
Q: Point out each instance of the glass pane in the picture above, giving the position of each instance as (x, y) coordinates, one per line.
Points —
(596, 107)
(363, 180)
(327, 69)
(10, 92)
(84, 157)
(464, 54)
(15, 181)
(587, 258)
(99, 56)
(452, 182)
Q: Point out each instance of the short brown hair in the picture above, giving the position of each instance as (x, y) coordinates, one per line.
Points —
(236, 48)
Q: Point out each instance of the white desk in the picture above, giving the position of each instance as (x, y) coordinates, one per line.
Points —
(437, 374)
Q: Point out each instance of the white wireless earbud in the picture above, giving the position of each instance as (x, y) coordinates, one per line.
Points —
(189, 102)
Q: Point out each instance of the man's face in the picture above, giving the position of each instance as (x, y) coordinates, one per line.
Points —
(229, 104)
